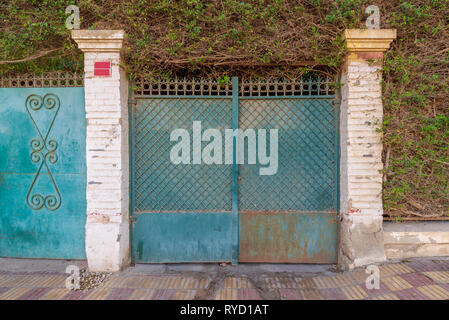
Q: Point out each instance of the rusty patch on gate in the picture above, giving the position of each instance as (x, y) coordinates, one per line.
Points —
(288, 237)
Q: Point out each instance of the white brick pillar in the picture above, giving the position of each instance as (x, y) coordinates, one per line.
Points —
(106, 100)
(361, 234)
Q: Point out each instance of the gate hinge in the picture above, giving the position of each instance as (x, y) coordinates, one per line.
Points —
(132, 219)
(132, 101)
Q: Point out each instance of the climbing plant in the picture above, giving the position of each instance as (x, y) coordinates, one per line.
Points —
(271, 38)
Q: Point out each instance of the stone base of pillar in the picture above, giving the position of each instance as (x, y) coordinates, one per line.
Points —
(361, 241)
(107, 244)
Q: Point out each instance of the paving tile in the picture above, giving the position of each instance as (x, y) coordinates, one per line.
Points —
(186, 283)
(76, 295)
(324, 282)
(115, 282)
(445, 286)
(334, 281)
(3, 290)
(163, 294)
(54, 281)
(428, 265)
(4, 279)
(342, 280)
(120, 294)
(47, 281)
(354, 292)
(311, 294)
(290, 294)
(247, 294)
(236, 283)
(387, 270)
(306, 283)
(282, 282)
(438, 276)
(272, 283)
(190, 283)
(142, 294)
(30, 281)
(55, 294)
(129, 283)
(98, 294)
(388, 296)
(33, 294)
(226, 294)
(22, 281)
(175, 283)
(151, 282)
(434, 292)
(358, 277)
(204, 283)
(411, 294)
(333, 294)
(287, 282)
(14, 293)
(383, 290)
(396, 283)
(13, 280)
(147, 282)
(166, 281)
(183, 295)
(417, 279)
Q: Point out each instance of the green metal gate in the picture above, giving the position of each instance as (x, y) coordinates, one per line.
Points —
(192, 212)
(42, 166)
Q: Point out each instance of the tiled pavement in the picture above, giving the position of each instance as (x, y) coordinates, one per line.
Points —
(419, 279)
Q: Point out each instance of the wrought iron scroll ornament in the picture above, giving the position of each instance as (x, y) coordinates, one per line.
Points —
(43, 151)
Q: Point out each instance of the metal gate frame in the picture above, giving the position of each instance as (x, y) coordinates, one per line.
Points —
(243, 93)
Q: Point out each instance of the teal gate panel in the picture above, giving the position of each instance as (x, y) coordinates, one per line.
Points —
(181, 213)
(42, 172)
(223, 212)
(291, 216)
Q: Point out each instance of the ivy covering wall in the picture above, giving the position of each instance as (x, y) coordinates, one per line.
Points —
(271, 38)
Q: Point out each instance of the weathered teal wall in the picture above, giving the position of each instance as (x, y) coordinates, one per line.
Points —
(44, 219)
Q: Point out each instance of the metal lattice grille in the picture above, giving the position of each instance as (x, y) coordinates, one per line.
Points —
(160, 185)
(319, 86)
(306, 176)
(182, 87)
(291, 87)
(43, 80)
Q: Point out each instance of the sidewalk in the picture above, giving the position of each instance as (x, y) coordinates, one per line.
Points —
(414, 279)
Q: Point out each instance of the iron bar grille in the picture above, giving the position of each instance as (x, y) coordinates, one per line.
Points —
(182, 87)
(318, 86)
(42, 80)
(161, 186)
(307, 168)
(295, 87)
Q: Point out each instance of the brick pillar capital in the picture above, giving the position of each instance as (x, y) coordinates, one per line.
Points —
(369, 40)
(99, 40)
(368, 43)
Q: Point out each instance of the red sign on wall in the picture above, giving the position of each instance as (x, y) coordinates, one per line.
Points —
(102, 68)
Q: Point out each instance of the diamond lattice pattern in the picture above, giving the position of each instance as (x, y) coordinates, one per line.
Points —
(307, 169)
(161, 186)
